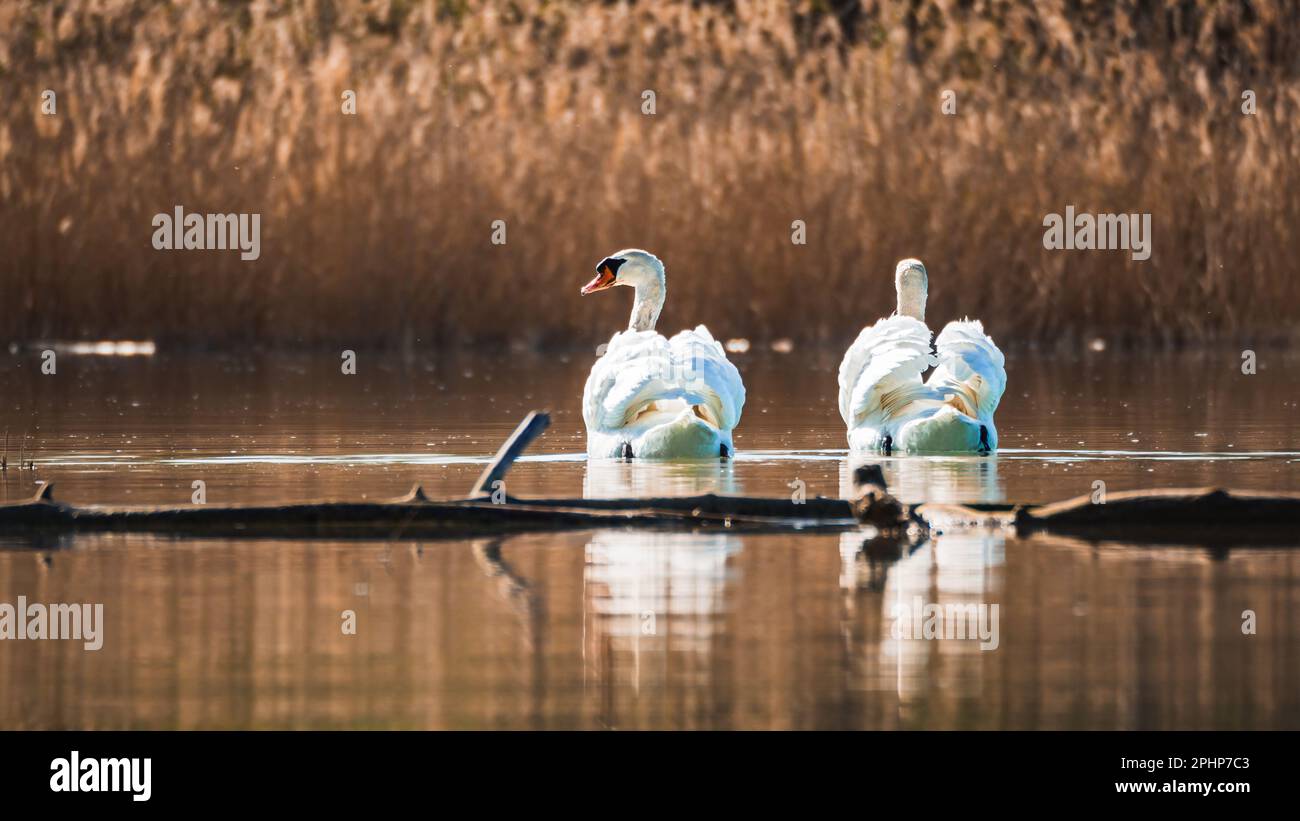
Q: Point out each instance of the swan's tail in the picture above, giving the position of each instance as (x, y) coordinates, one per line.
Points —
(971, 374)
(688, 435)
(949, 430)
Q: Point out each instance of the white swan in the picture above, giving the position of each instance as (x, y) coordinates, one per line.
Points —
(654, 398)
(886, 404)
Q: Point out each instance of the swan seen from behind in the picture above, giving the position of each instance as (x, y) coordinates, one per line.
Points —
(886, 403)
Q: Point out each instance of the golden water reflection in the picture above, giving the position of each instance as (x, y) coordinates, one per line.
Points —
(639, 629)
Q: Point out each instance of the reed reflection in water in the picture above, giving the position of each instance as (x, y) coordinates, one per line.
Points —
(748, 632)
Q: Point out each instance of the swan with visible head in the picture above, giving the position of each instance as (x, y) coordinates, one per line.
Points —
(654, 398)
(886, 403)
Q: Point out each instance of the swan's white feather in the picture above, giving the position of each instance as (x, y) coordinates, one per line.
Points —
(623, 375)
(709, 377)
(641, 371)
(880, 375)
(971, 374)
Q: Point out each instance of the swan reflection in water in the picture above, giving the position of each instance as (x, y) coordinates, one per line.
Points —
(886, 581)
(654, 604)
(934, 479)
(621, 479)
(865, 558)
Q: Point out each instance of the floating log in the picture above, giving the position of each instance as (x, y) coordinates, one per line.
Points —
(1196, 516)
(1172, 516)
(416, 516)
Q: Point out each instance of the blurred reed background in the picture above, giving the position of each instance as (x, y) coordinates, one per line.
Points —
(376, 227)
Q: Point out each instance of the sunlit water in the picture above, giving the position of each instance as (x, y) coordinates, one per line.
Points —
(636, 629)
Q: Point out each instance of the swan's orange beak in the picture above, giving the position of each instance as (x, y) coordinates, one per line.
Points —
(604, 279)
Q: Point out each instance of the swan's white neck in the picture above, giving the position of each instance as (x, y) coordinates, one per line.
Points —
(650, 293)
(912, 284)
(912, 304)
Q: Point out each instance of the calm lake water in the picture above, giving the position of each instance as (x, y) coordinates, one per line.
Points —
(638, 629)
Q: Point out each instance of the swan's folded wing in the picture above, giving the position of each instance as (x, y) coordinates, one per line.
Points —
(881, 371)
(634, 369)
(971, 374)
(706, 377)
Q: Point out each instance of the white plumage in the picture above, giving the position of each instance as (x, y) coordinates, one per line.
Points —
(971, 374)
(884, 401)
(880, 376)
(654, 398)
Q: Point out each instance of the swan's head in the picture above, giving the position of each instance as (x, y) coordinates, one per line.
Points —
(913, 285)
(632, 267)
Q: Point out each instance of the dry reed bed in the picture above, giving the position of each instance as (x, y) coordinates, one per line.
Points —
(376, 227)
